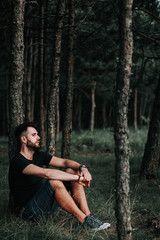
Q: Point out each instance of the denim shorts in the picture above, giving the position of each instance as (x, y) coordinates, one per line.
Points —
(43, 203)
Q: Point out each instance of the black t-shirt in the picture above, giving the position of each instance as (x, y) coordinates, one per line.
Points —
(23, 186)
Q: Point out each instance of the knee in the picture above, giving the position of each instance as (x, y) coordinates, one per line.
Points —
(56, 184)
(72, 171)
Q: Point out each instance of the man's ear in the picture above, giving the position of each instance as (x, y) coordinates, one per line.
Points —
(23, 139)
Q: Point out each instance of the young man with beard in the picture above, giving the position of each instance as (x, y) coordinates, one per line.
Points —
(37, 191)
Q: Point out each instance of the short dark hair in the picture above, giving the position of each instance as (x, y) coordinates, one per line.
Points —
(20, 129)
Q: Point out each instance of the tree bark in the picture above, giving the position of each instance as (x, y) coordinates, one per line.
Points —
(145, 100)
(135, 109)
(16, 114)
(104, 115)
(79, 112)
(41, 76)
(34, 76)
(77, 117)
(122, 148)
(93, 105)
(28, 114)
(54, 85)
(67, 128)
(151, 157)
(58, 118)
(28, 54)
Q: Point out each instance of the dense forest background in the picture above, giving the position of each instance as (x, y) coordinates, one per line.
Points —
(68, 65)
(96, 48)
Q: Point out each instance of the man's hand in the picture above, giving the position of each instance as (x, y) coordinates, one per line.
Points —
(85, 177)
(83, 182)
(86, 174)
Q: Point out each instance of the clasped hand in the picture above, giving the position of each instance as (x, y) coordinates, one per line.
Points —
(85, 178)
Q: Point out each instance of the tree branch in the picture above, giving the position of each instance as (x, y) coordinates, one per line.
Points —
(147, 37)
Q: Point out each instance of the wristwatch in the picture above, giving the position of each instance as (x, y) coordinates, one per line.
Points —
(82, 166)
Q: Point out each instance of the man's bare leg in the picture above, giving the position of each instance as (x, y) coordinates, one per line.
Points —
(65, 200)
(79, 195)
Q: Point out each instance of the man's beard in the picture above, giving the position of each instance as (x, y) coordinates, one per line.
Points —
(32, 146)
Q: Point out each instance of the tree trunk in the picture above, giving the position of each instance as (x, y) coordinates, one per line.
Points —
(151, 157)
(54, 85)
(34, 76)
(135, 109)
(93, 105)
(7, 106)
(141, 109)
(79, 112)
(67, 128)
(104, 115)
(143, 105)
(28, 82)
(28, 64)
(41, 76)
(47, 67)
(122, 148)
(16, 114)
(58, 118)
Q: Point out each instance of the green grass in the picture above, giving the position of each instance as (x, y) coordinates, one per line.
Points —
(97, 152)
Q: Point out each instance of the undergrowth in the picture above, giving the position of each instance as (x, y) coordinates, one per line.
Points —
(97, 152)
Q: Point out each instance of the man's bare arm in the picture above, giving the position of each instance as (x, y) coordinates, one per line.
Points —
(52, 174)
(66, 163)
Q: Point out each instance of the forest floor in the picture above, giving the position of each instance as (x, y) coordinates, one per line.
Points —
(97, 152)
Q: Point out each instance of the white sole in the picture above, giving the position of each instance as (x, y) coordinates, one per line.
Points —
(102, 227)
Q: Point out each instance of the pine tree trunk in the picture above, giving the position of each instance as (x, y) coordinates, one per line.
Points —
(104, 115)
(144, 100)
(135, 109)
(54, 85)
(122, 148)
(93, 105)
(151, 157)
(140, 109)
(28, 65)
(16, 114)
(47, 67)
(7, 106)
(67, 128)
(34, 75)
(79, 112)
(41, 76)
(58, 118)
(28, 83)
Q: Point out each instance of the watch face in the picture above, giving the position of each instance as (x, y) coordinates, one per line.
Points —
(83, 166)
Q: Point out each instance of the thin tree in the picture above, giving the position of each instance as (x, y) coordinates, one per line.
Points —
(54, 85)
(135, 109)
(16, 114)
(151, 157)
(67, 128)
(41, 75)
(104, 115)
(136, 101)
(122, 148)
(28, 59)
(29, 83)
(93, 105)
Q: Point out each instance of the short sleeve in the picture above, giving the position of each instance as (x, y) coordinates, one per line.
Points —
(19, 163)
(47, 159)
(44, 157)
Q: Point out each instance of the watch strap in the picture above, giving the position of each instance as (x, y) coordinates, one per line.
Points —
(82, 166)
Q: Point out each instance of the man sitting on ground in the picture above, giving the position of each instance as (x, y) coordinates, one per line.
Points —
(35, 198)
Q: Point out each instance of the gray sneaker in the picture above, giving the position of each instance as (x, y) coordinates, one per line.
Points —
(95, 224)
